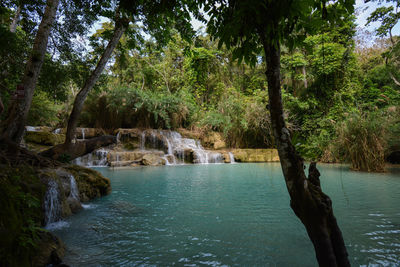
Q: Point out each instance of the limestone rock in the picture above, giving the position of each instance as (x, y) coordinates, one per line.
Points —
(151, 159)
(91, 183)
(89, 132)
(255, 155)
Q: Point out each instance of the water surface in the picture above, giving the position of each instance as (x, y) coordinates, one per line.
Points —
(228, 214)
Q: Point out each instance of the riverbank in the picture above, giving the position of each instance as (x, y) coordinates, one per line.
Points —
(35, 193)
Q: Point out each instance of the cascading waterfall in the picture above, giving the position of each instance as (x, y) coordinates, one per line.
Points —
(118, 137)
(52, 205)
(83, 133)
(231, 157)
(74, 193)
(177, 145)
(57, 131)
(97, 158)
(142, 140)
(178, 150)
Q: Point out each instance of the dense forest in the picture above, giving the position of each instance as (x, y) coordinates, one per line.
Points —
(340, 88)
(304, 79)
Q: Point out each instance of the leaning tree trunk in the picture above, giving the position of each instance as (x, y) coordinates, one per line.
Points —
(310, 204)
(14, 125)
(120, 27)
(14, 23)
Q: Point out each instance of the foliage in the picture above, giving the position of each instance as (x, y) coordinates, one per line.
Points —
(361, 140)
(21, 214)
(130, 107)
(44, 112)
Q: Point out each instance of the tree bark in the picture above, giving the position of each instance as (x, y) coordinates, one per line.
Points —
(14, 125)
(310, 204)
(14, 23)
(120, 27)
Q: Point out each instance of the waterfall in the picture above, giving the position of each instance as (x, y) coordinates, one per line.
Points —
(177, 145)
(97, 158)
(52, 205)
(231, 157)
(32, 128)
(74, 193)
(142, 140)
(83, 133)
(118, 137)
(57, 131)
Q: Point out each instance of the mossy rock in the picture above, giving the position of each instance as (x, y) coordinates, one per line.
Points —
(44, 138)
(255, 155)
(91, 183)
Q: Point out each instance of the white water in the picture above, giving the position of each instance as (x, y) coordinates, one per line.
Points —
(83, 133)
(231, 157)
(97, 158)
(142, 140)
(31, 128)
(74, 193)
(118, 137)
(52, 205)
(57, 131)
(177, 145)
(177, 150)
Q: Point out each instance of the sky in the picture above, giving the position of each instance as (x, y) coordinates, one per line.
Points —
(363, 10)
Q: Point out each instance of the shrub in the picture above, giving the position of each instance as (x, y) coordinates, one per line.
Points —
(362, 141)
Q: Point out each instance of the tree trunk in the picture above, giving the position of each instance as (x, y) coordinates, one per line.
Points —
(120, 27)
(14, 125)
(15, 21)
(307, 200)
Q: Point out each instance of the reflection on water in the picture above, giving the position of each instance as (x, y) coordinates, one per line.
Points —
(232, 214)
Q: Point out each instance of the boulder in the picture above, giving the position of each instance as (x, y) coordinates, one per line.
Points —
(124, 163)
(44, 138)
(151, 159)
(91, 183)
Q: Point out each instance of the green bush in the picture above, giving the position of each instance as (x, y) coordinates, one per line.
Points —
(130, 107)
(43, 112)
(362, 140)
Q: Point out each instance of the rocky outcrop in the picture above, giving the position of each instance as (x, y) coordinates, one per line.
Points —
(25, 182)
(135, 158)
(83, 133)
(91, 183)
(253, 155)
(153, 160)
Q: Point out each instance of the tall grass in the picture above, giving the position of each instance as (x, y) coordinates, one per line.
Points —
(362, 141)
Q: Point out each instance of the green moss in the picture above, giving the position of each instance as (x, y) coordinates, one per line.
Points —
(44, 138)
(20, 214)
(91, 183)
